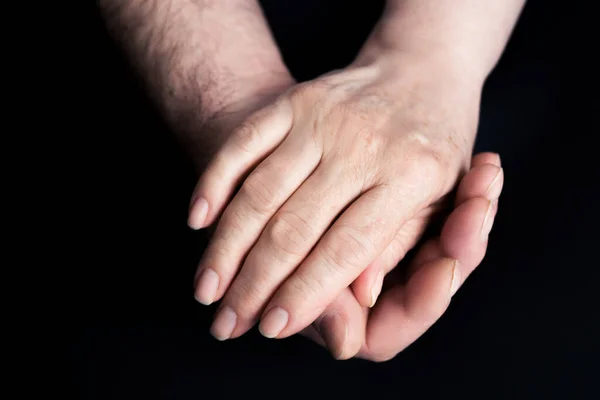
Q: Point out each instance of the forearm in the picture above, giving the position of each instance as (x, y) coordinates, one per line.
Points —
(196, 56)
(467, 35)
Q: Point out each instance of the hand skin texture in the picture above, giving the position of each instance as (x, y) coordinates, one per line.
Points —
(343, 167)
(337, 177)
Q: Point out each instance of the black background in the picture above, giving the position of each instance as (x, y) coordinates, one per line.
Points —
(523, 326)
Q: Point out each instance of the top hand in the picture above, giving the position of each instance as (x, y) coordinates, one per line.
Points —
(342, 167)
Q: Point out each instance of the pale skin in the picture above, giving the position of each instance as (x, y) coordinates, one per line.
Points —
(338, 177)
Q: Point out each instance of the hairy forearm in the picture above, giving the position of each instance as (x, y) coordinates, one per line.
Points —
(467, 35)
(196, 56)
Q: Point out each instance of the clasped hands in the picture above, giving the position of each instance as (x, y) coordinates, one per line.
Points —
(319, 195)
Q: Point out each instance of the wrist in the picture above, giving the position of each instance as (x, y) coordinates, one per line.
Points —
(438, 63)
(467, 37)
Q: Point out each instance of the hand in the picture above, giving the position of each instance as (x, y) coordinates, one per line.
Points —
(338, 169)
(406, 310)
(204, 136)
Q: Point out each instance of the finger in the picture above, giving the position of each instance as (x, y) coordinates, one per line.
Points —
(485, 180)
(252, 141)
(286, 240)
(341, 327)
(461, 238)
(363, 288)
(464, 236)
(430, 251)
(368, 285)
(362, 232)
(486, 158)
(404, 313)
(261, 195)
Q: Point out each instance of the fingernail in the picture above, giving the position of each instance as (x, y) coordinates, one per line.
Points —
(456, 278)
(376, 288)
(206, 286)
(273, 322)
(224, 323)
(198, 212)
(493, 191)
(488, 221)
(331, 323)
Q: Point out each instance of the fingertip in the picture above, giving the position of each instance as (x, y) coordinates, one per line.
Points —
(367, 286)
(198, 213)
(342, 325)
(485, 180)
(333, 328)
(488, 221)
(376, 287)
(461, 236)
(224, 324)
(456, 278)
(273, 322)
(495, 187)
(486, 158)
(207, 285)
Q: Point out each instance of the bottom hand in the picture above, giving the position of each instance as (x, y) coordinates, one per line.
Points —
(405, 311)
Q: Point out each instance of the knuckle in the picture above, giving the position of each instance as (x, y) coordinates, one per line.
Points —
(427, 165)
(247, 137)
(289, 233)
(348, 250)
(370, 139)
(231, 224)
(378, 351)
(260, 195)
(370, 147)
(306, 286)
(220, 251)
(245, 297)
(347, 350)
